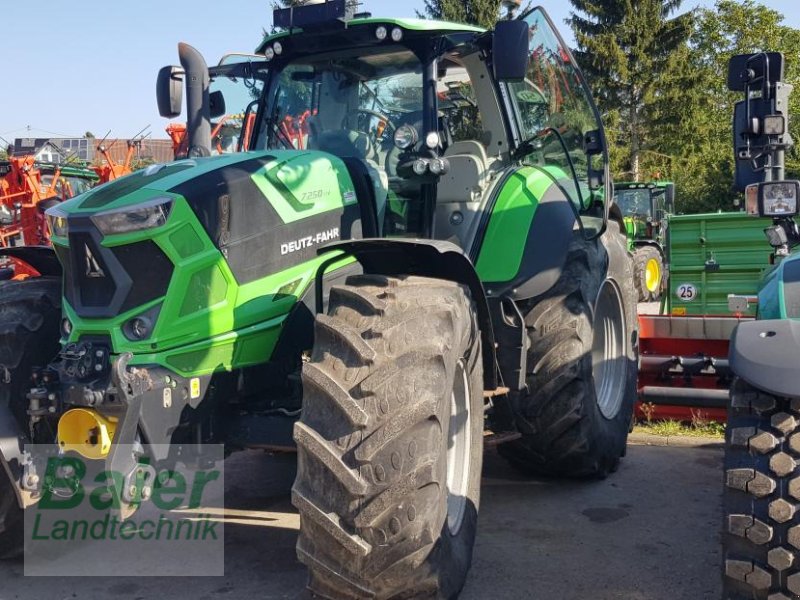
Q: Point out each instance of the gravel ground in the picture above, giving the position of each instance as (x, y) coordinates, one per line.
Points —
(648, 532)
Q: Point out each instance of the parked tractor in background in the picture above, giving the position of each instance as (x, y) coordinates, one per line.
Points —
(645, 207)
(439, 261)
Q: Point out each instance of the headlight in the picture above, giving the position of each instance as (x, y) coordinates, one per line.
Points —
(144, 216)
(420, 166)
(57, 222)
(380, 33)
(397, 34)
(405, 137)
(774, 125)
(440, 166)
(269, 53)
(277, 47)
(779, 198)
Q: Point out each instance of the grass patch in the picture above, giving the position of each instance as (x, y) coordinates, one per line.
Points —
(673, 428)
(700, 425)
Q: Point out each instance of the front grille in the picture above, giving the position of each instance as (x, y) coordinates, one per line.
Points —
(103, 282)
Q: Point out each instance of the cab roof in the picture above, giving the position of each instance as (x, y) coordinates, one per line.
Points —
(408, 24)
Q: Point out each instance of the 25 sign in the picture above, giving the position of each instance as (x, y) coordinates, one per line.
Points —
(686, 292)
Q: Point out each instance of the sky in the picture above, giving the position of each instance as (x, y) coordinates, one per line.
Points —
(91, 65)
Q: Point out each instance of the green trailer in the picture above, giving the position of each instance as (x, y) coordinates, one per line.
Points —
(712, 256)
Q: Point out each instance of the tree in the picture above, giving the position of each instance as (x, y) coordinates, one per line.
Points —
(628, 51)
(483, 13)
(89, 135)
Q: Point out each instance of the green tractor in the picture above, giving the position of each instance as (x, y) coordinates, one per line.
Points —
(761, 536)
(645, 207)
(411, 260)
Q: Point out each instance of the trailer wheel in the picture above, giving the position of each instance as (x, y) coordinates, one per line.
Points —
(390, 440)
(30, 311)
(582, 364)
(761, 535)
(648, 275)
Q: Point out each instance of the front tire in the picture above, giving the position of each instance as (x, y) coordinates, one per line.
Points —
(582, 364)
(390, 441)
(761, 530)
(648, 274)
(30, 311)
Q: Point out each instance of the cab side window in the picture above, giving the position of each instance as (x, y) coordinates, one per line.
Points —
(554, 111)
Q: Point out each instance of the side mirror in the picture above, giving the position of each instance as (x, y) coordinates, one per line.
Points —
(510, 52)
(169, 91)
(216, 103)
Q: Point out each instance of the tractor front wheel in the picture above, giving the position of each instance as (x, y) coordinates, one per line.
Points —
(390, 440)
(30, 311)
(648, 274)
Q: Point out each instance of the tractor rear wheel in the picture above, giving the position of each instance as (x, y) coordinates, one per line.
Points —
(582, 365)
(648, 274)
(761, 538)
(30, 312)
(390, 440)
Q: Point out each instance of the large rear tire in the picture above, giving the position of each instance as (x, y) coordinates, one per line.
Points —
(648, 265)
(390, 441)
(30, 312)
(582, 364)
(761, 535)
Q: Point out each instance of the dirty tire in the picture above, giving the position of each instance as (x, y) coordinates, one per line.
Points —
(565, 432)
(371, 489)
(761, 535)
(30, 312)
(641, 256)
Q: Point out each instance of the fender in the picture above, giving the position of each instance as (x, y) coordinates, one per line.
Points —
(521, 250)
(653, 243)
(426, 258)
(765, 354)
(41, 258)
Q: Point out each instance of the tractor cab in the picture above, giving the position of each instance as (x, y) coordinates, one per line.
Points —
(428, 116)
(644, 207)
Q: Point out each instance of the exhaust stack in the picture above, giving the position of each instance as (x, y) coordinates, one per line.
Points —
(198, 107)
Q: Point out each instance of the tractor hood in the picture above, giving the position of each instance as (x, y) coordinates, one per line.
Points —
(165, 245)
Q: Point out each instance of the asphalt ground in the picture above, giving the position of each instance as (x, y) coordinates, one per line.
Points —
(648, 532)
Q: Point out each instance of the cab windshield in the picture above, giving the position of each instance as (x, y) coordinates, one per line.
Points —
(350, 105)
(347, 105)
(635, 202)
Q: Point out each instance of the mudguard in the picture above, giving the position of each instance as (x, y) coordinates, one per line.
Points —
(41, 258)
(766, 354)
(426, 258)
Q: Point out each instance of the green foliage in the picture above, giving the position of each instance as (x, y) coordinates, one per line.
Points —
(702, 144)
(660, 82)
(483, 13)
(629, 51)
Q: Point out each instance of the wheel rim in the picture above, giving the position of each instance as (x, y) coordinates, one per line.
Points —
(458, 450)
(609, 363)
(652, 275)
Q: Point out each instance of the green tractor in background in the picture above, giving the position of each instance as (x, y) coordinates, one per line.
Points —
(761, 537)
(413, 250)
(645, 207)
